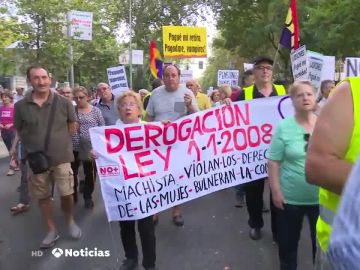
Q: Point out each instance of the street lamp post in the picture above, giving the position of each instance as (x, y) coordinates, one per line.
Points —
(71, 52)
(130, 45)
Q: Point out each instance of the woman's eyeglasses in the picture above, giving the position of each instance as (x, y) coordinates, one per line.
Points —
(306, 139)
(79, 98)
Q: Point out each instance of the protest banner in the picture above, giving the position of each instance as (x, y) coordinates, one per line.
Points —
(299, 64)
(307, 65)
(117, 79)
(81, 24)
(149, 167)
(328, 72)
(230, 77)
(315, 66)
(352, 67)
(184, 41)
(185, 75)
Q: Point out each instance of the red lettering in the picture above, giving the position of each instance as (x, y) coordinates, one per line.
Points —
(213, 142)
(266, 128)
(196, 127)
(129, 139)
(115, 132)
(218, 117)
(127, 176)
(167, 133)
(257, 136)
(204, 128)
(152, 137)
(165, 158)
(187, 129)
(236, 141)
(142, 164)
(239, 114)
(192, 145)
(103, 170)
(226, 149)
(232, 120)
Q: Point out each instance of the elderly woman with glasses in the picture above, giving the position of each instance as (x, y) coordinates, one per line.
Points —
(88, 116)
(130, 110)
(293, 197)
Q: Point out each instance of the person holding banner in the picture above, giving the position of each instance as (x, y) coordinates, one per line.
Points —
(292, 196)
(263, 87)
(170, 102)
(130, 111)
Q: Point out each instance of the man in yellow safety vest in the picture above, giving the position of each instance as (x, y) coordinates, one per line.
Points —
(263, 87)
(333, 149)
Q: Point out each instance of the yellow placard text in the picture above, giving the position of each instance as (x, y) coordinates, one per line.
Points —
(184, 41)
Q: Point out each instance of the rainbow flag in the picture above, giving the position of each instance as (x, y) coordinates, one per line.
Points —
(290, 35)
(156, 61)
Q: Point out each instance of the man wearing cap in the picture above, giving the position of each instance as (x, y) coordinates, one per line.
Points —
(263, 87)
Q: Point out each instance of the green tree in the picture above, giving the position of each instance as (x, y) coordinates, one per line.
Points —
(42, 25)
(331, 26)
(249, 28)
(148, 17)
(7, 37)
(221, 59)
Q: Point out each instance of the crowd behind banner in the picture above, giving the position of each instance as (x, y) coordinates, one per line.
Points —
(155, 150)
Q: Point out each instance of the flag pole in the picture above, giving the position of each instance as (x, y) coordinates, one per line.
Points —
(276, 55)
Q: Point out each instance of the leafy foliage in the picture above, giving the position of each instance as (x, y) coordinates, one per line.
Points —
(252, 27)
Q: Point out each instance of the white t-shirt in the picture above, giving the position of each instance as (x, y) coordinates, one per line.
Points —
(164, 105)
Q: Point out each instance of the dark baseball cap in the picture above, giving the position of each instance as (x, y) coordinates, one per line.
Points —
(261, 59)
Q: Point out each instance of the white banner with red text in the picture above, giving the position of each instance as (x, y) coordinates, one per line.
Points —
(146, 168)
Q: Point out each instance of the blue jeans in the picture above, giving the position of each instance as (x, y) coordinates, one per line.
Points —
(289, 225)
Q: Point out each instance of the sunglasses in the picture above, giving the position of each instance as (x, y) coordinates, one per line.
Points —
(306, 139)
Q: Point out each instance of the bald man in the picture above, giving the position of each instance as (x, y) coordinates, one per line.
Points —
(202, 100)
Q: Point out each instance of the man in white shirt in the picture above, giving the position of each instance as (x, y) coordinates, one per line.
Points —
(170, 102)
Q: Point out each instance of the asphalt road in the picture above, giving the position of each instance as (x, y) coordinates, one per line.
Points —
(214, 237)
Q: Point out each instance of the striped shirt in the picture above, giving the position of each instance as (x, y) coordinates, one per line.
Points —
(344, 247)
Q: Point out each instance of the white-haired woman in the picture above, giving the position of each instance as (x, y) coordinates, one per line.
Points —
(130, 110)
(292, 196)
